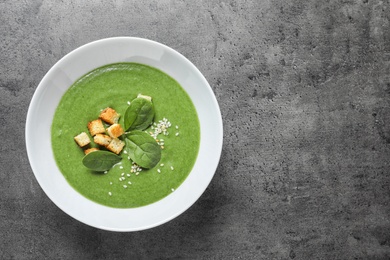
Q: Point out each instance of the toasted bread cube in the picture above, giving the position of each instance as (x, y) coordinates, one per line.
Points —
(102, 139)
(109, 115)
(87, 151)
(115, 130)
(96, 127)
(82, 139)
(116, 145)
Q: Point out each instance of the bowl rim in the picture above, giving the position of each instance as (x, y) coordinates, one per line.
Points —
(41, 87)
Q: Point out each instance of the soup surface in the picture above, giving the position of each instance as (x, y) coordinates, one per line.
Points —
(115, 85)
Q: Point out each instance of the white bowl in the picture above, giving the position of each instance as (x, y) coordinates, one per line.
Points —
(84, 59)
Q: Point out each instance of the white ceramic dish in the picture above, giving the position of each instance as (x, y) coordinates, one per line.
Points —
(84, 59)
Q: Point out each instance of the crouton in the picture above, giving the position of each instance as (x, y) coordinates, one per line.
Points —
(96, 127)
(116, 145)
(102, 139)
(87, 151)
(115, 130)
(82, 139)
(109, 115)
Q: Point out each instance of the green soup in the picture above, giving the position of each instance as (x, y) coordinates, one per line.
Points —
(114, 86)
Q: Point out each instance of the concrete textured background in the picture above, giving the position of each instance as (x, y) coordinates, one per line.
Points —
(304, 92)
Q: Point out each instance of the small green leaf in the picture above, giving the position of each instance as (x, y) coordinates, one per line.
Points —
(143, 149)
(139, 115)
(100, 160)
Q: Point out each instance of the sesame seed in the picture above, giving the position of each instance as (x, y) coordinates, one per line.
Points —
(177, 127)
(129, 182)
(125, 186)
(109, 193)
(128, 102)
(177, 134)
(128, 157)
(161, 164)
(158, 170)
(120, 179)
(128, 175)
(105, 172)
(110, 183)
(120, 167)
(172, 189)
(172, 168)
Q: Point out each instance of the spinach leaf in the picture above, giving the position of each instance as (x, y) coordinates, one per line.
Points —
(100, 160)
(139, 115)
(143, 149)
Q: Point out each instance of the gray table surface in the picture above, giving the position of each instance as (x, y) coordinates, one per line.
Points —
(304, 92)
